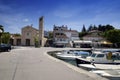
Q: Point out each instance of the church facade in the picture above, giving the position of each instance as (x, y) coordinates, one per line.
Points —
(29, 35)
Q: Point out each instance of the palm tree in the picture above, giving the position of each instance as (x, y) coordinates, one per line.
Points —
(1, 31)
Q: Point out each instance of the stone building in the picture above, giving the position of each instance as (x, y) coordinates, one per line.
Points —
(29, 34)
(15, 39)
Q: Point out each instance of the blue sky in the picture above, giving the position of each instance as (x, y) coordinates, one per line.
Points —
(15, 14)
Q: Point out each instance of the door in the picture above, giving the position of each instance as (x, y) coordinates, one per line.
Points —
(12, 41)
(27, 42)
(18, 42)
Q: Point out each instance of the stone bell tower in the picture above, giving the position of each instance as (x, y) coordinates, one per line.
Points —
(41, 31)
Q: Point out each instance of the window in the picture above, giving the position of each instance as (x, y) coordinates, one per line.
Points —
(60, 39)
(63, 39)
(27, 34)
(100, 55)
(93, 55)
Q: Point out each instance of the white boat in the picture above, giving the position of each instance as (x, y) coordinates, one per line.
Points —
(72, 54)
(100, 58)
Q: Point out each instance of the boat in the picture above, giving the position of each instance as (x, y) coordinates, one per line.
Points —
(100, 60)
(72, 54)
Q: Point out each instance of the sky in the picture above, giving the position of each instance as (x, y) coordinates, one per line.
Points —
(15, 14)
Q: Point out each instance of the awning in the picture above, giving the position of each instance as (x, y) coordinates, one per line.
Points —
(105, 42)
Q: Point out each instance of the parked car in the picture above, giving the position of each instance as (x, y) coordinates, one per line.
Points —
(5, 47)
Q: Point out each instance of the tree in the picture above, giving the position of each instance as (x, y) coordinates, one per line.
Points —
(109, 27)
(1, 28)
(83, 29)
(50, 35)
(95, 27)
(81, 34)
(104, 28)
(1, 31)
(100, 27)
(90, 28)
(5, 37)
(36, 41)
(17, 34)
(113, 36)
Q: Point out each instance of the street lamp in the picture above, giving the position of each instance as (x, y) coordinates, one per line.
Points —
(0, 35)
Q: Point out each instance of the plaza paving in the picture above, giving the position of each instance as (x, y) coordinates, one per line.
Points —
(29, 63)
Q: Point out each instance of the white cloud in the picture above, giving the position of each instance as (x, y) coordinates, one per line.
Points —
(13, 22)
(26, 20)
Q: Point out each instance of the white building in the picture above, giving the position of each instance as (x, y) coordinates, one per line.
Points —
(64, 37)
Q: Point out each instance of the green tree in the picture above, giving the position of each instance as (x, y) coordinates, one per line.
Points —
(100, 27)
(5, 37)
(81, 34)
(1, 32)
(83, 29)
(104, 28)
(17, 34)
(113, 35)
(90, 28)
(1, 28)
(36, 41)
(95, 27)
(50, 35)
(109, 27)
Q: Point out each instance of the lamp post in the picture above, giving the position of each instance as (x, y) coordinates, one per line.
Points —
(0, 35)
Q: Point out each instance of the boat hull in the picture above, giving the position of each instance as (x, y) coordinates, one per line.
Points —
(100, 66)
(80, 61)
(84, 61)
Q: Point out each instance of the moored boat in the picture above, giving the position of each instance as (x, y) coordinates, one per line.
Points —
(100, 60)
(72, 54)
(100, 57)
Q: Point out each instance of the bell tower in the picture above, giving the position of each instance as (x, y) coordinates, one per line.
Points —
(41, 31)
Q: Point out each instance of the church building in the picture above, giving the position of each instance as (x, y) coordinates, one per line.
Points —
(29, 35)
